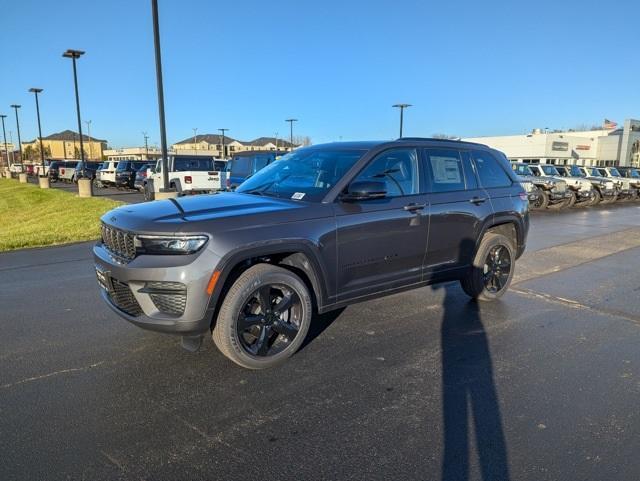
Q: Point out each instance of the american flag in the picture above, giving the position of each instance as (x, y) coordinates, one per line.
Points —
(609, 124)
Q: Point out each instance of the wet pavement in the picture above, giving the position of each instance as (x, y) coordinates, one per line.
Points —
(543, 385)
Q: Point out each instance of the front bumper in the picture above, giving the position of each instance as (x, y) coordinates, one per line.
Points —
(584, 194)
(558, 196)
(193, 271)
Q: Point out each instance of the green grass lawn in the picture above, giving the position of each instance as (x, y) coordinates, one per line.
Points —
(34, 217)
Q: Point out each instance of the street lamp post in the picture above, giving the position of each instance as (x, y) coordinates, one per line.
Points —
(36, 91)
(88, 122)
(224, 153)
(74, 55)
(16, 107)
(13, 153)
(401, 107)
(163, 130)
(291, 121)
(195, 138)
(4, 134)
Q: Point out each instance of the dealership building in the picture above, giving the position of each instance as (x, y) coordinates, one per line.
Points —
(603, 147)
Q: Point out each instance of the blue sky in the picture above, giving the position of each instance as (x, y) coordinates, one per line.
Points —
(468, 67)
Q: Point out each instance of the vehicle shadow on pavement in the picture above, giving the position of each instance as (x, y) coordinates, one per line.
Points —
(319, 323)
(469, 390)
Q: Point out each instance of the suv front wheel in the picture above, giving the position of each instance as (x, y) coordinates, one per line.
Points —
(492, 270)
(264, 317)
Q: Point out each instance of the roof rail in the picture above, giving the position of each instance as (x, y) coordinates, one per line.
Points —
(431, 139)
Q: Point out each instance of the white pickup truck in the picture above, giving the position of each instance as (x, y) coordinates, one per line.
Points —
(188, 174)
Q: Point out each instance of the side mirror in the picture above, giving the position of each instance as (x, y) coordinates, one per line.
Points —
(365, 190)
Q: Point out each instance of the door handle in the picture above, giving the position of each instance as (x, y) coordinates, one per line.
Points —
(478, 200)
(414, 207)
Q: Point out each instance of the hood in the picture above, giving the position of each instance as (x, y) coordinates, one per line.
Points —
(195, 213)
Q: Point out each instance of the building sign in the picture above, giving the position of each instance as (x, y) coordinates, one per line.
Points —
(583, 147)
(560, 146)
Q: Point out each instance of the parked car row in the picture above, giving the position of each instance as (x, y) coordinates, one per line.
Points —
(563, 186)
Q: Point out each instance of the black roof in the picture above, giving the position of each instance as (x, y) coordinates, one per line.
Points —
(369, 144)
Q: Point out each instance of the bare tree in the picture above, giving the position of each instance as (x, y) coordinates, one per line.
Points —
(302, 140)
(445, 136)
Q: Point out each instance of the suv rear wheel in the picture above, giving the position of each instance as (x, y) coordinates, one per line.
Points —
(492, 270)
(264, 317)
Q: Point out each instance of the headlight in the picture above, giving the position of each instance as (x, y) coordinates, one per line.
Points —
(169, 245)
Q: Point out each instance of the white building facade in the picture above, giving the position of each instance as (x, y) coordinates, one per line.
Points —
(602, 147)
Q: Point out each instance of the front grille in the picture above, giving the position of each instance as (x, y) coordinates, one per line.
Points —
(560, 187)
(124, 299)
(119, 242)
(168, 297)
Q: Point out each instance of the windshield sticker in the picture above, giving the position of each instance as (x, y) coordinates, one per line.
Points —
(298, 196)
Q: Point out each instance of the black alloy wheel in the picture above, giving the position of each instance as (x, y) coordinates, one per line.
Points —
(497, 268)
(269, 320)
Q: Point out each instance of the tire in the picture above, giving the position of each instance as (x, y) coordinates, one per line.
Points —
(476, 284)
(611, 200)
(572, 200)
(245, 345)
(542, 202)
(597, 197)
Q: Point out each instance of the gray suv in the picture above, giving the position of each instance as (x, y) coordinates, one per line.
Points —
(321, 228)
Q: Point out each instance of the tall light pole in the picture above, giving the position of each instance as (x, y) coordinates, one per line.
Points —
(36, 91)
(146, 144)
(195, 138)
(88, 122)
(13, 153)
(74, 55)
(163, 130)
(224, 153)
(16, 107)
(401, 107)
(291, 121)
(4, 134)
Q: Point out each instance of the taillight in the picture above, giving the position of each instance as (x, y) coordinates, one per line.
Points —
(187, 179)
(144, 174)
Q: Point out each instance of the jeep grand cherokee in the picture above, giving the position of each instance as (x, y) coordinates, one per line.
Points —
(320, 228)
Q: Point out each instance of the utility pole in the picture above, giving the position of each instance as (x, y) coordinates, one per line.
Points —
(401, 107)
(195, 138)
(291, 121)
(224, 153)
(146, 145)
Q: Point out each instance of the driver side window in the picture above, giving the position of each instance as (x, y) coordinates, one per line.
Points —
(397, 168)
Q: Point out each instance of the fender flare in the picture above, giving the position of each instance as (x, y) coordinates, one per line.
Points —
(315, 269)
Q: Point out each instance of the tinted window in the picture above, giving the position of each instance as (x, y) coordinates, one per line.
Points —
(122, 166)
(305, 174)
(397, 168)
(445, 170)
(489, 170)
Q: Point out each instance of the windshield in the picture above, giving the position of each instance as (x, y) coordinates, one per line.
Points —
(306, 174)
(614, 172)
(633, 173)
(550, 170)
(595, 172)
(576, 171)
(522, 169)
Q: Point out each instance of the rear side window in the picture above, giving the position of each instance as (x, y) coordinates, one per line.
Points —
(445, 170)
(490, 172)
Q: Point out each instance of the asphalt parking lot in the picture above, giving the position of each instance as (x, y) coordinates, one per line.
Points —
(542, 385)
